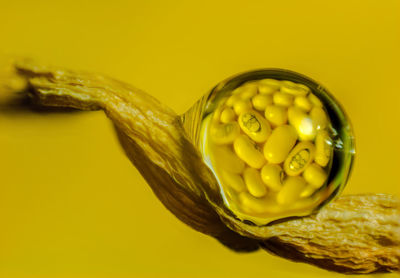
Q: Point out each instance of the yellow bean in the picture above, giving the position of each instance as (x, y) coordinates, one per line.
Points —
(319, 118)
(253, 204)
(287, 83)
(292, 88)
(306, 203)
(291, 190)
(243, 87)
(272, 175)
(260, 102)
(308, 191)
(296, 115)
(304, 87)
(276, 115)
(254, 183)
(232, 99)
(248, 91)
(237, 90)
(272, 83)
(315, 175)
(302, 122)
(248, 151)
(217, 114)
(235, 181)
(323, 148)
(315, 100)
(279, 144)
(299, 158)
(226, 159)
(265, 89)
(227, 115)
(224, 133)
(303, 102)
(241, 106)
(283, 99)
(255, 126)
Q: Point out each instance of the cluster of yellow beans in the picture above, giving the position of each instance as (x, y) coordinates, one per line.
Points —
(270, 145)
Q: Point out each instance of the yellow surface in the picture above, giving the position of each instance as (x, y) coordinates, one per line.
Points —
(71, 205)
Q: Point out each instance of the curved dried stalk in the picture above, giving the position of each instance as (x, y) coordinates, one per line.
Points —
(354, 234)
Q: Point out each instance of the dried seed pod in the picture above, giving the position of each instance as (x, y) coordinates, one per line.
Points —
(352, 234)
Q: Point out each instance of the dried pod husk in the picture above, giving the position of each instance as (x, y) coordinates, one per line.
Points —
(353, 234)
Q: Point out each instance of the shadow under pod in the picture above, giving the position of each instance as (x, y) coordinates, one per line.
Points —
(22, 102)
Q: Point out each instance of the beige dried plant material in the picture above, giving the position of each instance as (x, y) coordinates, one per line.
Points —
(353, 234)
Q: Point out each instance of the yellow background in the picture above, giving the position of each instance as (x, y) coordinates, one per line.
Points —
(71, 204)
